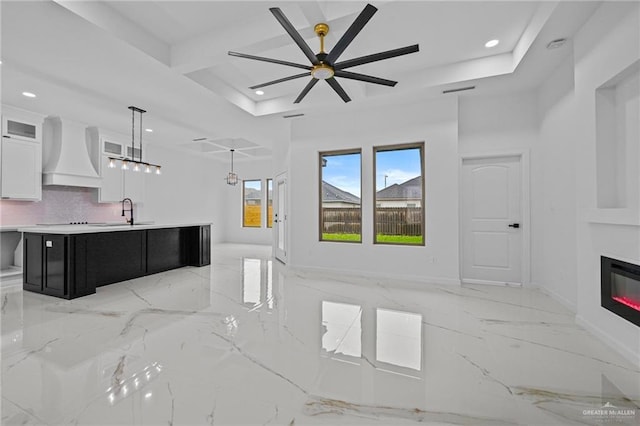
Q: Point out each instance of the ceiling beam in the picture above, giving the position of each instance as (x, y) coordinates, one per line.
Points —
(105, 17)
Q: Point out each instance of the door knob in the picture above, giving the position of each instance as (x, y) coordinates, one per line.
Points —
(514, 225)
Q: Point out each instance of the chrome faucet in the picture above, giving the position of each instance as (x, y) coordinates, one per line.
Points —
(129, 210)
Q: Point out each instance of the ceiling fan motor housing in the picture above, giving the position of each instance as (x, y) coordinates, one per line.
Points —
(325, 66)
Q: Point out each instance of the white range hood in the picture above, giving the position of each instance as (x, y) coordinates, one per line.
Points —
(66, 155)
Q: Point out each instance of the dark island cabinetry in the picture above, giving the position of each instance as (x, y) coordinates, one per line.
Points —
(200, 248)
(44, 264)
(73, 265)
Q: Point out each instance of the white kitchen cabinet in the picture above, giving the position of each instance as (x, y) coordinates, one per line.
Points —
(112, 183)
(21, 159)
(134, 185)
(118, 184)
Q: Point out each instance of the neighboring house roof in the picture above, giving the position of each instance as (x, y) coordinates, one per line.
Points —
(332, 194)
(410, 189)
(252, 194)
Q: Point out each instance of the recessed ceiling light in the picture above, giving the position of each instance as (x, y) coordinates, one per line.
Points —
(259, 92)
(29, 94)
(492, 43)
(148, 130)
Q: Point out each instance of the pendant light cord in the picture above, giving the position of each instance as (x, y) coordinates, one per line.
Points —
(141, 137)
(133, 137)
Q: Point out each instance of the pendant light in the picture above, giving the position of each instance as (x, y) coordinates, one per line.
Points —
(131, 163)
(232, 178)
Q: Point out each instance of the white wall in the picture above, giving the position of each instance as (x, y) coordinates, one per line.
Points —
(433, 122)
(574, 232)
(555, 255)
(497, 125)
(607, 44)
(186, 191)
(232, 196)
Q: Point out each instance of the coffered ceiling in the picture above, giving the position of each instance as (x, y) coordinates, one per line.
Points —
(91, 59)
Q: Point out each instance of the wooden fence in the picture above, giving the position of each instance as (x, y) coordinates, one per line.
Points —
(389, 220)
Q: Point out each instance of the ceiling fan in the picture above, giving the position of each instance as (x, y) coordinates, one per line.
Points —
(324, 66)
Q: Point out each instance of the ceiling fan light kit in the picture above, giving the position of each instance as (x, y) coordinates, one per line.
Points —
(324, 66)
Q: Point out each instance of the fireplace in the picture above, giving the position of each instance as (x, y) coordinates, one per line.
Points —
(620, 288)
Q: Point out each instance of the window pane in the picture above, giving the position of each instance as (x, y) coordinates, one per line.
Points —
(399, 215)
(340, 209)
(269, 203)
(252, 203)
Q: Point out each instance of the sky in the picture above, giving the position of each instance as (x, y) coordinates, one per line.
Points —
(343, 171)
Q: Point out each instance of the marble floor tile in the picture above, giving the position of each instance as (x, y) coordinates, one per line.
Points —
(247, 341)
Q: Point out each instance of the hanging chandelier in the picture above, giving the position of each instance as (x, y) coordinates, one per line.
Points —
(232, 178)
(131, 163)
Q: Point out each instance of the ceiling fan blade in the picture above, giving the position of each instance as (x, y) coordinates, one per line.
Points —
(295, 35)
(273, 61)
(376, 57)
(363, 77)
(339, 90)
(305, 90)
(351, 33)
(281, 80)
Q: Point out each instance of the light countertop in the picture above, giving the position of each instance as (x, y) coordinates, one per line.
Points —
(106, 227)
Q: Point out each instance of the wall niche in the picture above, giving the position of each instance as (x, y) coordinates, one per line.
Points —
(617, 140)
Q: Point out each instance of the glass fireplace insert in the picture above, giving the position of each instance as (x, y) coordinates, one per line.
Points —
(620, 288)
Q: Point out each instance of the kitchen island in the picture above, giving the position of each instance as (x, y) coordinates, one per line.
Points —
(73, 260)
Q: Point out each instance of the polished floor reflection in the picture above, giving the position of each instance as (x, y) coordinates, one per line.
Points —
(245, 341)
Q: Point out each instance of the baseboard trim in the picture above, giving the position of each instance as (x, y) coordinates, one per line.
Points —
(555, 296)
(360, 277)
(11, 283)
(606, 338)
(488, 282)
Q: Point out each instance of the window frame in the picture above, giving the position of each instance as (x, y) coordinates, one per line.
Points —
(268, 198)
(243, 200)
(319, 199)
(399, 147)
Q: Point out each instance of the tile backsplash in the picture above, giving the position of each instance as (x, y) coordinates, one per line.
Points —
(60, 204)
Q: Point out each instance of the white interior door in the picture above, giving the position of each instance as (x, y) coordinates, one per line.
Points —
(280, 217)
(492, 248)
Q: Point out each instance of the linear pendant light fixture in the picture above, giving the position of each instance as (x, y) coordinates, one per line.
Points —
(131, 163)
(232, 178)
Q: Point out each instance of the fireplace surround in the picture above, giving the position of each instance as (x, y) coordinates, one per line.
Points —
(620, 288)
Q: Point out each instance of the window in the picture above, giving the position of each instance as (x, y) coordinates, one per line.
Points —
(399, 194)
(340, 208)
(269, 203)
(252, 203)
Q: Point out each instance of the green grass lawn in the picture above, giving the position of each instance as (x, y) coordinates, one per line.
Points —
(340, 237)
(397, 239)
